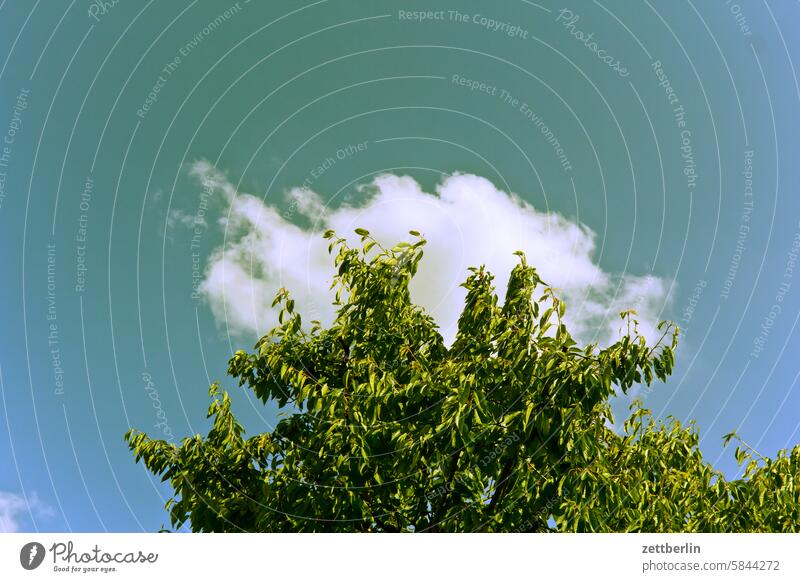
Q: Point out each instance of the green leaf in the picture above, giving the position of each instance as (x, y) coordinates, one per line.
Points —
(380, 420)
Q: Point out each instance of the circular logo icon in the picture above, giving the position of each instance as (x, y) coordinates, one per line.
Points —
(31, 555)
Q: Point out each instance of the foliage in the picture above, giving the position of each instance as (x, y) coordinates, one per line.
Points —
(387, 429)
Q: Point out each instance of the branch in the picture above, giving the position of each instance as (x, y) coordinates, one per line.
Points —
(502, 483)
(346, 349)
(442, 504)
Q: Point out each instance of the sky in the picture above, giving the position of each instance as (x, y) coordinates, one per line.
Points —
(166, 167)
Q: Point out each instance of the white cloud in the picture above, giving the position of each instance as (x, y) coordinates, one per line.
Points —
(179, 217)
(306, 202)
(14, 508)
(467, 222)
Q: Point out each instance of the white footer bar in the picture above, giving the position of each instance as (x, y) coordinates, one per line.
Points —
(403, 557)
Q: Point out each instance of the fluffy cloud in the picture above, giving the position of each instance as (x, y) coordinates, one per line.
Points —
(13, 509)
(467, 222)
(178, 217)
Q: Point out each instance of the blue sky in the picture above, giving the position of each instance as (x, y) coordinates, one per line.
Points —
(164, 168)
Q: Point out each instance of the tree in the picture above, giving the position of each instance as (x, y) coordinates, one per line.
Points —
(387, 429)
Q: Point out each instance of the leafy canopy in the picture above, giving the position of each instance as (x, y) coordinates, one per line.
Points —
(387, 429)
